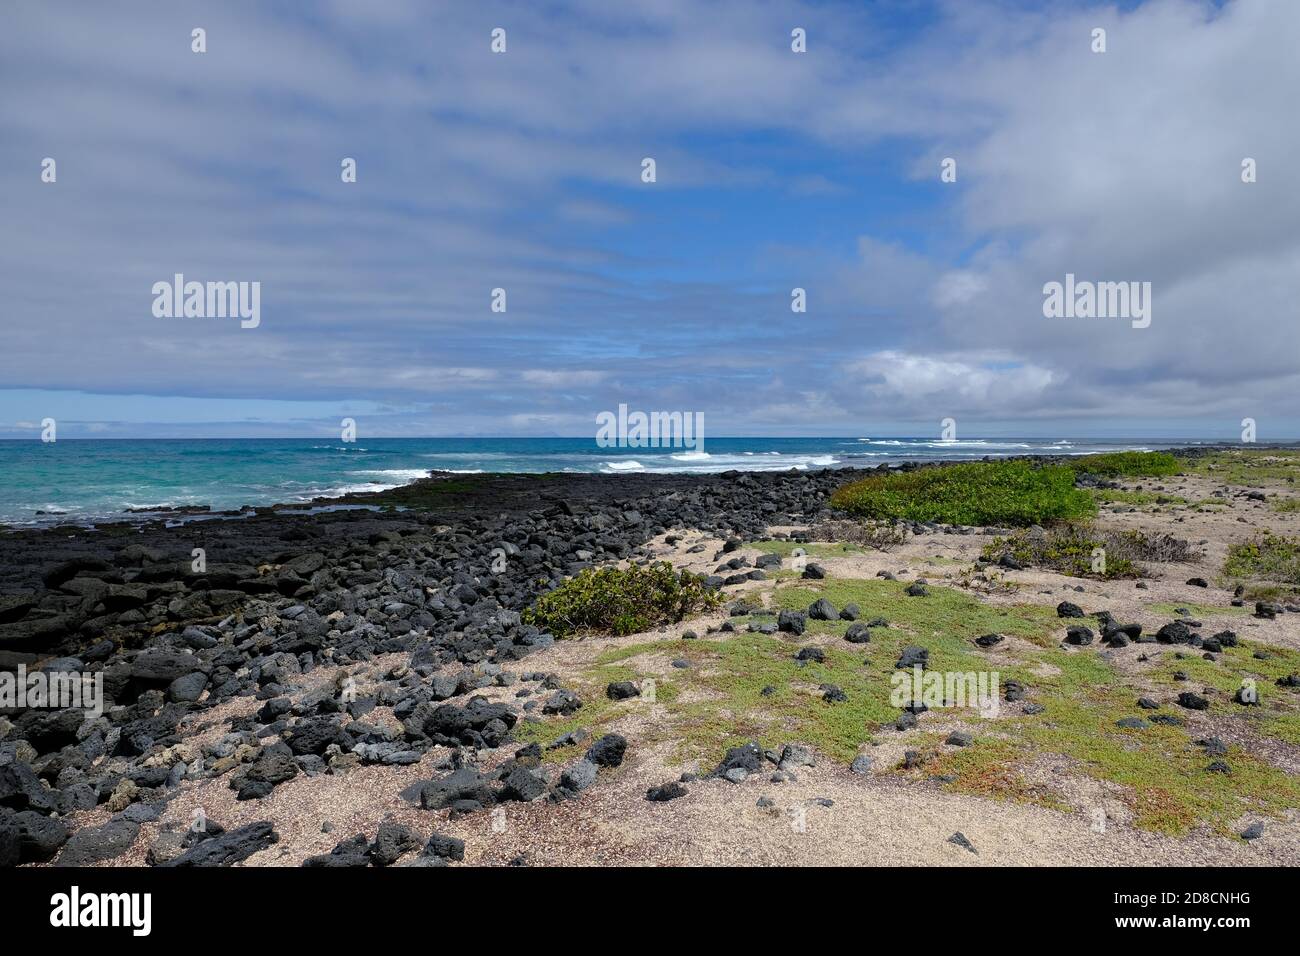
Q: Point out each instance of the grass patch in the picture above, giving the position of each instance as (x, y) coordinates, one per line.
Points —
(974, 493)
(1128, 464)
(810, 548)
(1160, 767)
(1286, 505)
(1269, 557)
(1250, 468)
(621, 600)
(719, 702)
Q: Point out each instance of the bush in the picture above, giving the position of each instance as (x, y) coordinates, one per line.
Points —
(621, 600)
(1128, 464)
(976, 493)
(1269, 557)
(1069, 550)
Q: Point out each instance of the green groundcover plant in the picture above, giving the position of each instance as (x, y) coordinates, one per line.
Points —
(1269, 557)
(621, 600)
(977, 493)
(1129, 464)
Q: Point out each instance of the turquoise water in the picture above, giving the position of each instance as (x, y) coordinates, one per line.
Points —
(75, 480)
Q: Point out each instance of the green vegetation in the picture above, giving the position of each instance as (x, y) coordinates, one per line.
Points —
(621, 600)
(1286, 505)
(1269, 557)
(720, 701)
(1251, 468)
(1162, 771)
(814, 549)
(975, 493)
(1071, 549)
(1129, 464)
(1074, 550)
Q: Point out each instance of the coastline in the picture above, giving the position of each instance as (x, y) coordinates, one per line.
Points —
(224, 684)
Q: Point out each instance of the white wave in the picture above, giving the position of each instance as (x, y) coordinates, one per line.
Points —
(405, 474)
(717, 462)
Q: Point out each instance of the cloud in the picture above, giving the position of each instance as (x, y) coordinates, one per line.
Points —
(777, 170)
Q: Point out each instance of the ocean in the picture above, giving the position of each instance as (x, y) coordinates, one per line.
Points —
(83, 481)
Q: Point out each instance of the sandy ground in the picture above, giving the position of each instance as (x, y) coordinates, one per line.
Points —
(828, 815)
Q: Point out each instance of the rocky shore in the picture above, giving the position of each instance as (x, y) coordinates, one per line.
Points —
(351, 684)
(433, 574)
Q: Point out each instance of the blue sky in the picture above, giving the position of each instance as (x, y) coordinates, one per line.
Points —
(776, 170)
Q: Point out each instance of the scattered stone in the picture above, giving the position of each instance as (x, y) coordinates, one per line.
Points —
(229, 847)
(95, 844)
(858, 633)
(795, 755)
(822, 610)
(1078, 635)
(622, 690)
(665, 792)
(792, 622)
(608, 751)
(960, 840)
(832, 694)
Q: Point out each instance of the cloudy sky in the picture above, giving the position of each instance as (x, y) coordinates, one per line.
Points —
(775, 170)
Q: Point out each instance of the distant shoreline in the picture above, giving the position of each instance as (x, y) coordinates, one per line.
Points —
(410, 492)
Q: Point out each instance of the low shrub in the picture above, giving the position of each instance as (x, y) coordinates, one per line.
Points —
(621, 600)
(1269, 557)
(974, 493)
(1128, 464)
(1070, 550)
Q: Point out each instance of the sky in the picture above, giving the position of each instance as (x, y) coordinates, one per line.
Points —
(775, 170)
